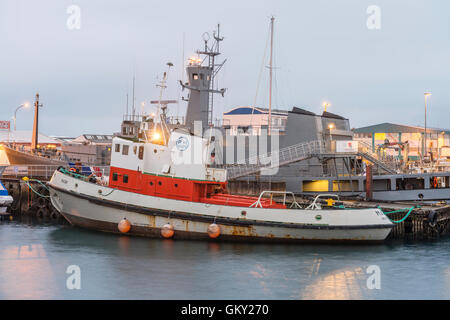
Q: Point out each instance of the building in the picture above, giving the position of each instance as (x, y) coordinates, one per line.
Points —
(249, 120)
(94, 149)
(22, 140)
(402, 141)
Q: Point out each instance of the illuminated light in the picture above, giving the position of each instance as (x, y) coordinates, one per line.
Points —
(26, 104)
(326, 105)
(152, 114)
(195, 61)
(156, 136)
(331, 126)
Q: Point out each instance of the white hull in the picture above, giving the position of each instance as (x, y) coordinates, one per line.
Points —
(82, 204)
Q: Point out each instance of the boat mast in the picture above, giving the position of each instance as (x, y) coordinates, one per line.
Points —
(270, 70)
(133, 110)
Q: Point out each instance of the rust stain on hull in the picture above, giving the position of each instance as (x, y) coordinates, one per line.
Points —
(152, 221)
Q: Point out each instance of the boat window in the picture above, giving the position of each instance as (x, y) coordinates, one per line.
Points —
(117, 147)
(134, 149)
(125, 178)
(141, 153)
(125, 149)
(115, 176)
(195, 76)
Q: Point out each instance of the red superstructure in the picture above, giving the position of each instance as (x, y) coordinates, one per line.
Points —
(181, 188)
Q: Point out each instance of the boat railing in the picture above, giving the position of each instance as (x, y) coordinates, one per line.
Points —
(43, 172)
(258, 204)
(315, 206)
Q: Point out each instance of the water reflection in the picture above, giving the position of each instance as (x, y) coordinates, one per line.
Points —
(339, 284)
(25, 273)
(33, 260)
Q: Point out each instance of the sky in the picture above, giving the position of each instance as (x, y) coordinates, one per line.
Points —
(323, 51)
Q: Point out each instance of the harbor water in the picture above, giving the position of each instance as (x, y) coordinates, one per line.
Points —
(37, 259)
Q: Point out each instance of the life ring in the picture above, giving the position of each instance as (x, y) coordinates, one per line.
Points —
(435, 182)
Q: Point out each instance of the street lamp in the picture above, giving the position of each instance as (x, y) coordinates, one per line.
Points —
(426, 94)
(24, 105)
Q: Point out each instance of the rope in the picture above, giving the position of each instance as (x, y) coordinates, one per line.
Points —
(82, 177)
(397, 211)
(31, 188)
(105, 195)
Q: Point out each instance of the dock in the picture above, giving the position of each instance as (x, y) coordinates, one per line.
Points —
(27, 202)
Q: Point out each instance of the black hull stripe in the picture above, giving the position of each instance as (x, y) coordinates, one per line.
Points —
(210, 219)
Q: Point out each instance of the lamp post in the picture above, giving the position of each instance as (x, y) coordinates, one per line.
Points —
(325, 105)
(24, 105)
(426, 94)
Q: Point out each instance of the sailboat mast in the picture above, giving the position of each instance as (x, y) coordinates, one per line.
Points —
(133, 109)
(270, 70)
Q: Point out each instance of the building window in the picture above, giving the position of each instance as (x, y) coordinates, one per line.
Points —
(125, 178)
(117, 147)
(195, 76)
(115, 176)
(141, 153)
(125, 149)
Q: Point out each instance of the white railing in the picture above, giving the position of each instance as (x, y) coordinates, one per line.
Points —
(315, 206)
(258, 204)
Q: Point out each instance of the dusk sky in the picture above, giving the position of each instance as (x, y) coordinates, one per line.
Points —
(323, 51)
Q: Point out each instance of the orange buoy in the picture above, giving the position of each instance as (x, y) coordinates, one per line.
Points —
(213, 230)
(167, 231)
(124, 225)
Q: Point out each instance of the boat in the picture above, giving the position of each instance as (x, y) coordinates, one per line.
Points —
(164, 182)
(18, 150)
(39, 157)
(5, 198)
(164, 186)
(152, 189)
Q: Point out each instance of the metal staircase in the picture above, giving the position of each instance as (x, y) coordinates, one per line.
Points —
(275, 159)
(365, 151)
